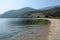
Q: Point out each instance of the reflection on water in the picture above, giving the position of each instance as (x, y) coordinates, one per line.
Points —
(12, 26)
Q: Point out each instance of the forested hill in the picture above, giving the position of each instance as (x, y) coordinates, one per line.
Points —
(49, 12)
(27, 12)
(16, 13)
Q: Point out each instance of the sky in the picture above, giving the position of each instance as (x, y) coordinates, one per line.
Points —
(6, 5)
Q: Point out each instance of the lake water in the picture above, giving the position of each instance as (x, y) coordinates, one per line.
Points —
(12, 26)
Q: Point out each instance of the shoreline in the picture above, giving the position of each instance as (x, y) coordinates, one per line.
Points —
(45, 33)
(32, 34)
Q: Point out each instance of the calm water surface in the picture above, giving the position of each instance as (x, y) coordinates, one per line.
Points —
(12, 26)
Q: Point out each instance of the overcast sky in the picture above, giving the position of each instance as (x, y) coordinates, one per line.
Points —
(6, 5)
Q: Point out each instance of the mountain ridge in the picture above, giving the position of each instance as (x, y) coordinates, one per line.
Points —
(27, 10)
(15, 13)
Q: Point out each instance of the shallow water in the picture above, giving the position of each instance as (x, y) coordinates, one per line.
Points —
(12, 26)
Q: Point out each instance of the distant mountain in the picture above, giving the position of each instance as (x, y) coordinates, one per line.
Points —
(50, 7)
(25, 12)
(16, 13)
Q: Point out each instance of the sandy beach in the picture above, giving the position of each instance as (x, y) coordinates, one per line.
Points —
(50, 32)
